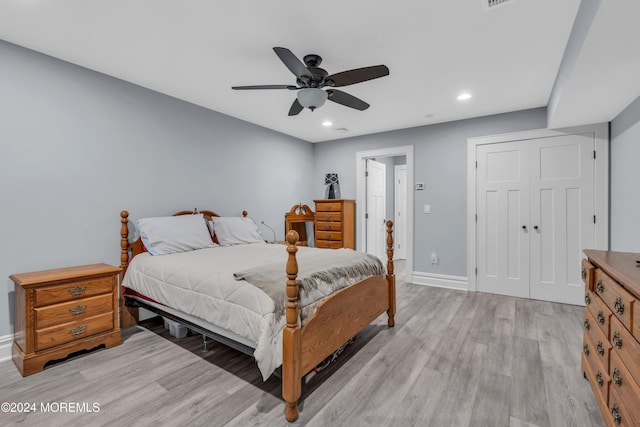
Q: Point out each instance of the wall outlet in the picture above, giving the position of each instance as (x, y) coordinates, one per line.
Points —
(434, 258)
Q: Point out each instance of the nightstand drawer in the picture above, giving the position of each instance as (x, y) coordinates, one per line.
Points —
(328, 244)
(67, 332)
(72, 291)
(73, 310)
(328, 226)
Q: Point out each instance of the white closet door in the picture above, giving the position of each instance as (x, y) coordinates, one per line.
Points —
(562, 206)
(503, 218)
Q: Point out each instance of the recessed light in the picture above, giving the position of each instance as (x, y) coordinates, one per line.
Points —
(464, 96)
(326, 123)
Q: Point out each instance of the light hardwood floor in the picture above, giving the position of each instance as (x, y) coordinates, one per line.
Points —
(454, 359)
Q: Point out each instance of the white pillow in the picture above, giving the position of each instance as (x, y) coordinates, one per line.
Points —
(236, 230)
(170, 234)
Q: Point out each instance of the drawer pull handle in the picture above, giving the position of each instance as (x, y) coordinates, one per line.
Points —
(617, 379)
(587, 299)
(601, 317)
(328, 245)
(78, 309)
(615, 414)
(327, 227)
(584, 274)
(328, 236)
(617, 341)
(600, 348)
(585, 348)
(587, 326)
(600, 286)
(77, 290)
(79, 330)
(619, 306)
(599, 379)
(327, 217)
(328, 208)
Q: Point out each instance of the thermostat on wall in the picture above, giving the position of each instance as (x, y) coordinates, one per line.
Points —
(419, 185)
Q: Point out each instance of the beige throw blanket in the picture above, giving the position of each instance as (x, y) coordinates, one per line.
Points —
(319, 275)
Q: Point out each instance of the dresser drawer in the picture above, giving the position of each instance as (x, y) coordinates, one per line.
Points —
(328, 244)
(73, 310)
(328, 226)
(627, 348)
(626, 386)
(600, 343)
(67, 332)
(329, 216)
(600, 312)
(73, 290)
(615, 297)
(587, 274)
(598, 379)
(618, 412)
(328, 207)
(329, 235)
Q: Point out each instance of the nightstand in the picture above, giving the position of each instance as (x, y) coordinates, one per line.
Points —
(61, 311)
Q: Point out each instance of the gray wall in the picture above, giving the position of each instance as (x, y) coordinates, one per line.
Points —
(625, 180)
(77, 147)
(440, 156)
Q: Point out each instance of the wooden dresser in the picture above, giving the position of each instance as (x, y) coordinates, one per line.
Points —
(58, 312)
(611, 348)
(335, 223)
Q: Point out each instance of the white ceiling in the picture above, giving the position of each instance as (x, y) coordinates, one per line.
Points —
(507, 57)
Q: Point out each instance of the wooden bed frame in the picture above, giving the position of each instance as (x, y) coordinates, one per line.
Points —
(338, 318)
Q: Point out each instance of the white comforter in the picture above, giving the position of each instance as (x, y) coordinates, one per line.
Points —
(201, 283)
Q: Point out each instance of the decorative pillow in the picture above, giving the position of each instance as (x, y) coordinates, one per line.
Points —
(236, 231)
(170, 234)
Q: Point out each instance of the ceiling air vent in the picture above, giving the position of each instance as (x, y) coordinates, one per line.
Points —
(488, 4)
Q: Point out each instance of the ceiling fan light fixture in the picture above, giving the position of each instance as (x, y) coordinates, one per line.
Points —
(312, 98)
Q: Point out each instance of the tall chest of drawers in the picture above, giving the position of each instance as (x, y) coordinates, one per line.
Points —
(611, 345)
(61, 311)
(335, 223)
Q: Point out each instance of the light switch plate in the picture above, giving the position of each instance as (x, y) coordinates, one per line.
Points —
(427, 209)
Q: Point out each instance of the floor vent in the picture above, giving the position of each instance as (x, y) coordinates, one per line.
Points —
(493, 3)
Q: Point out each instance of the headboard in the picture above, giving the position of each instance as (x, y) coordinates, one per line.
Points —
(131, 249)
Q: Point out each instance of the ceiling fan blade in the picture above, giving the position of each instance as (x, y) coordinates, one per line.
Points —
(344, 98)
(264, 87)
(292, 62)
(357, 75)
(295, 108)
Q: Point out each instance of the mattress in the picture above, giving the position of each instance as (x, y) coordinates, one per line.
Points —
(201, 283)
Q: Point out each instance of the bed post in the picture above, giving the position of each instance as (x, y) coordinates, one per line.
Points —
(291, 340)
(128, 315)
(391, 278)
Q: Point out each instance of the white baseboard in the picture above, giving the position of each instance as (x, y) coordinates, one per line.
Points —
(441, 280)
(5, 347)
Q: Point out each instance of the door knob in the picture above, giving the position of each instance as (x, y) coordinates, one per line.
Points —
(524, 227)
(535, 227)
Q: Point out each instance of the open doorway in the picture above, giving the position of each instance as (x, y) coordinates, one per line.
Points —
(398, 202)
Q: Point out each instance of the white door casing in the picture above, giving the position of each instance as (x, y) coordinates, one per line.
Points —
(361, 232)
(400, 211)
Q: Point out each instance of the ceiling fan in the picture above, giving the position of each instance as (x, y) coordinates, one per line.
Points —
(310, 79)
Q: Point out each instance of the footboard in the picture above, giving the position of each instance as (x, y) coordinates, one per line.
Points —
(336, 320)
